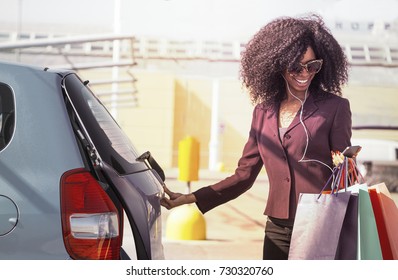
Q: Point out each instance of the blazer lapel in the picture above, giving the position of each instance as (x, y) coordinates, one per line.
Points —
(309, 108)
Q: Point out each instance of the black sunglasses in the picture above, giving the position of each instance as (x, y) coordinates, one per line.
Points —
(312, 67)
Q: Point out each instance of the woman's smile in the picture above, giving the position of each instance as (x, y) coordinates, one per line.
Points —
(301, 82)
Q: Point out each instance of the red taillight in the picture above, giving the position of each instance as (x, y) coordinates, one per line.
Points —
(91, 223)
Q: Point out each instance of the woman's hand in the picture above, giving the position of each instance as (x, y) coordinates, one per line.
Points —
(337, 158)
(176, 199)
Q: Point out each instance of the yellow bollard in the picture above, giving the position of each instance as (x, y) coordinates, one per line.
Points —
(186, 223)
(188, 159)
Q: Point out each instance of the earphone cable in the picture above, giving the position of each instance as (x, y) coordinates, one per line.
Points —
(305, 129)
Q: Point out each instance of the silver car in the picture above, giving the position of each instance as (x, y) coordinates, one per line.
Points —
(71, 182)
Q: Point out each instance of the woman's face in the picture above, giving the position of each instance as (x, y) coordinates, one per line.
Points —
(299, 78)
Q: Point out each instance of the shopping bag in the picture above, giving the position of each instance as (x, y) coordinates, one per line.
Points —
(368, 237)
(326, 224)
(386, 216)
(347, 247)
(317, 231)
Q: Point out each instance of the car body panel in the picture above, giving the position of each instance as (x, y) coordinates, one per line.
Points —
(31, 166)
(148, 228)
(42, 148)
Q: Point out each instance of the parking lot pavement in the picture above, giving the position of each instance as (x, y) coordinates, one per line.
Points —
(234, 231)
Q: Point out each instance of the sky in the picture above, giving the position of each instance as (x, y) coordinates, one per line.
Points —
(190, 19)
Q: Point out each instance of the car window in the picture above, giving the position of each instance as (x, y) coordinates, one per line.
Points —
(7, 115)
(113, 145)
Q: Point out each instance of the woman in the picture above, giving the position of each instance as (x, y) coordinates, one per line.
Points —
(294, 70)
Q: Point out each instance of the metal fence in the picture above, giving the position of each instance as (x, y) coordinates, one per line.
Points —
(360, 50)
(82, 52)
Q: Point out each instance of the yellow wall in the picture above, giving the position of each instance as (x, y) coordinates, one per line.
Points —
(192, 115)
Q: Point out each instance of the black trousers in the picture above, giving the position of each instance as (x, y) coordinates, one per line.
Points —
(276, 241)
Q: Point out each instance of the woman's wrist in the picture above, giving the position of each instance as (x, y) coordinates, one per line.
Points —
(191, 198)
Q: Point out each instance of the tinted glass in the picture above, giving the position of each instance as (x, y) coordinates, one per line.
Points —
(7, 115)
(113, 145)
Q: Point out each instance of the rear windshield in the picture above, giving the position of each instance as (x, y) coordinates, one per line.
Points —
(113, 145)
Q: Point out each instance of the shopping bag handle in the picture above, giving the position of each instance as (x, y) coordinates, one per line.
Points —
(344, 174)
(338, 172)
(356, 173)
(335, 171)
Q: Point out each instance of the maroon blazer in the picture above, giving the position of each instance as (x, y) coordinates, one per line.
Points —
(328, 122)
